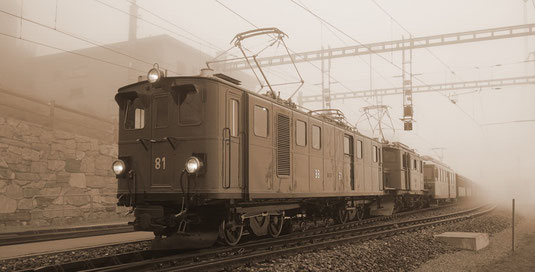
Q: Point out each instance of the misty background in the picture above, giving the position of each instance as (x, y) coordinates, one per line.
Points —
(79, 52)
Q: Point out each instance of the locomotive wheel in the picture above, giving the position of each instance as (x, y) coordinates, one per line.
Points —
(343, 216)
(259, 225)
(276, 224)
(230, 232)
(360, 213)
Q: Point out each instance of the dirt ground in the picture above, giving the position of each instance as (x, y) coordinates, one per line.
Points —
(498, 255)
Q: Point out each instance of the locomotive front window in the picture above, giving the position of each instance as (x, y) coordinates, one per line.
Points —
(375, 154)
(162, 111)
(301, 133)
(359, 149)
(134, 114)
(189, 101)
(260, 121)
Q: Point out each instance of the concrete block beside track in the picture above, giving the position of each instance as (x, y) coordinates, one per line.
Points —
(465, 240)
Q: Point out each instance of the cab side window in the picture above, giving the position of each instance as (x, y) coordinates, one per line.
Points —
(316, 137)
(359, 149)
(300, 133)
(234, 117)
(135, 114)
(260, 122)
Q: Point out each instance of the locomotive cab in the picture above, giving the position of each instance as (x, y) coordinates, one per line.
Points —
(169, 142)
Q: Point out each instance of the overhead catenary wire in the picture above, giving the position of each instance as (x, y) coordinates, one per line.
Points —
(71, 52)
(151, 23)
(205, 42)
(293, 52)
(373, 52)
(408, 32)
(80, 38)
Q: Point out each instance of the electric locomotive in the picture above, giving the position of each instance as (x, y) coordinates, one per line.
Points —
(202, 158)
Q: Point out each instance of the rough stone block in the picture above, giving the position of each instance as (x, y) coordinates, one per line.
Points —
(465, 240)
(6, 173)
(26, 204)
(77, 180)
(56, 165)
(30, 192)
(95, 182)
(38, 167)
(21, 182)
(30, 154)
(6, 131)
(14, 191)
(3, 164)
(7, 205)
(72, 166)
(27, 176)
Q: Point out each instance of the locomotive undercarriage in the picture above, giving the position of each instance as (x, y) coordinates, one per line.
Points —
(197, 226)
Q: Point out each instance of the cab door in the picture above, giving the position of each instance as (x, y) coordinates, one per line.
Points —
(349, 162)
(233, 140)
(161, 147)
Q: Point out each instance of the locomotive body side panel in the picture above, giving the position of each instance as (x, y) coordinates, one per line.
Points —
(260, 148)
(317, 174)
(339, 177)
(301, 143)
(329, 158)
(359, 164)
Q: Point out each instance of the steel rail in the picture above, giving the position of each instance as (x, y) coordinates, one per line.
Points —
(33, 236)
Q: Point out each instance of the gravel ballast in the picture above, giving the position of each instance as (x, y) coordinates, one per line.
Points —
(397, 253)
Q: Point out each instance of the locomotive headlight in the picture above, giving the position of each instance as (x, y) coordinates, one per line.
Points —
(154, 75)
(193, 164)
(118, 167)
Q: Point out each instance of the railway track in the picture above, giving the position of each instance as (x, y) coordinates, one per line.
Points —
(12, 238)
(200, 260)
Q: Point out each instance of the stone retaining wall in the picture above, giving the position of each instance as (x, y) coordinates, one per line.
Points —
(53, 177)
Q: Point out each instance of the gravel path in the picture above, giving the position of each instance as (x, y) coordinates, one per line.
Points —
(497, 256)
(399, 253)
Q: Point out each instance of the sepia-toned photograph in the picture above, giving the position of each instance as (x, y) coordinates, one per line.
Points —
(284, 135)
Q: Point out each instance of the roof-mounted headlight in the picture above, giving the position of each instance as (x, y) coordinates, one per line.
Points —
(193, 165)
(118, 167)
(154, 75)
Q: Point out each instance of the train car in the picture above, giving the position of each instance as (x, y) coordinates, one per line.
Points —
(202, 156)
(464, 186)
(440, 180)
(403, 176)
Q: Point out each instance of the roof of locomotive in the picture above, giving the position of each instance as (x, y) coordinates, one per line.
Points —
(432, 161)
(280, 102)
(398, 145)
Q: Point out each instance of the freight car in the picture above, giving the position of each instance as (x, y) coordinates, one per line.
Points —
(202, 155)
(440, 180)
(464, 186)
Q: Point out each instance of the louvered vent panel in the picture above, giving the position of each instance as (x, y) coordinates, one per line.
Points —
(283, 145)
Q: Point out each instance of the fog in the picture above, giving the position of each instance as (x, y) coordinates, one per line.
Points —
(80, 52)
